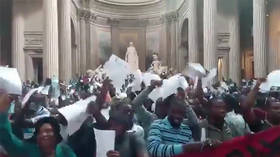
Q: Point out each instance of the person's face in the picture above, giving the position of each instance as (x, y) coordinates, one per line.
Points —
(181, 94)
(176, 116)
(46, 136)
(274, 110)
(127, 110)
(120, 129)
(218, 110)
(161, 109)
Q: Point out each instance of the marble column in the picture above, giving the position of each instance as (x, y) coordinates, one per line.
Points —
(209, 31)
(18, 56)
(65, 57)
(173, 55)
(193, 32)
(83, 44)
(92, 48)
(88, 42)
(234, 54)
(163, 44)
(259, 31)
(51, 54)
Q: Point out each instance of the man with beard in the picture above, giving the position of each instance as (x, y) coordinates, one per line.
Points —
(170, 137)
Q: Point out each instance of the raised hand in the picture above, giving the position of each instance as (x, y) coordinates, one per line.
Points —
(113, 154)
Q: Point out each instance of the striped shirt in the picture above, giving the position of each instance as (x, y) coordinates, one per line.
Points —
(166, 141)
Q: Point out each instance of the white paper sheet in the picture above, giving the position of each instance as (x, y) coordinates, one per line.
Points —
(194, 70)
(156, 94)
(169, 87)
(105, 141)
(28, 95)
(117, 70)
(76, 114)
(136, 84)
(45, 90)
(148, 77)
(10, 81)
(273, 80)
(207, 81)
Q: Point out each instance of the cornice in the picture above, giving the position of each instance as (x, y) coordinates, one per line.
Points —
(129, 2)
(92, 17)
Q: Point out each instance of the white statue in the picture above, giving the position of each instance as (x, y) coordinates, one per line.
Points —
(131, 57)
(156, 64)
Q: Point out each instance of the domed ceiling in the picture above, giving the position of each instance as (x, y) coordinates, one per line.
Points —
(129, 2)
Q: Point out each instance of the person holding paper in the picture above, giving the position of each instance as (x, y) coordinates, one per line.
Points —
(46, 138)
(146, 118)
(259, 119)
(170, 137)
(120, 120)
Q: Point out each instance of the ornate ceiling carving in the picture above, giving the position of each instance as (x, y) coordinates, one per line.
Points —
(129, 2)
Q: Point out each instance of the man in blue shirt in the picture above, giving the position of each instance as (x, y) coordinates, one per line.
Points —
(170, 137)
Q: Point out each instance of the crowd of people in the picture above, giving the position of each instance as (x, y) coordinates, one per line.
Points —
(191, 119)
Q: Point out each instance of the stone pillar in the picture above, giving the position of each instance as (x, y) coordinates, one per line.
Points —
(18, 56)
(209, 31)
(163, 44)
(259, 29)
(92, 48)
(88, 42)
(51, 55)
(193, 32)
(173, 59)
(65, 57)
(234, 54)
(83, 43)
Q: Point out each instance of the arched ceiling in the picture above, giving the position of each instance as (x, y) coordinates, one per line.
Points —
(129, 2)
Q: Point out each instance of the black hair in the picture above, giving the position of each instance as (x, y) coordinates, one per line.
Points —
(214, 99)
(232, 100)
(47, 120)
(269, 101)
(175, 102)
(118, 116)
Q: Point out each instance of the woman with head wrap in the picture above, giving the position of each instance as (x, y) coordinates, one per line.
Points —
(46, 140)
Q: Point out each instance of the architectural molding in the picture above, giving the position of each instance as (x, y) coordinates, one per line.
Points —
(223, 41)
(171, 16)
(33, 40)
(129, 2)
(100, 19)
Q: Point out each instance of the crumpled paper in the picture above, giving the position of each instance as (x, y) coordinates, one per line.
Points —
(10, 80)
(273, 80)
(169, 87)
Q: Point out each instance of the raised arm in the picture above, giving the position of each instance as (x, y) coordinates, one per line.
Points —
(8, 140)
(249, 103)
(199, 93)
(144, 117)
